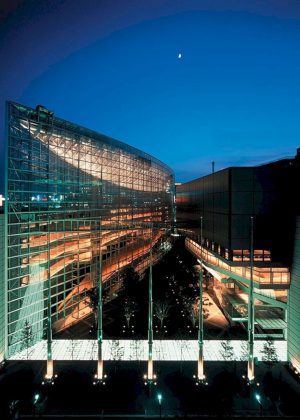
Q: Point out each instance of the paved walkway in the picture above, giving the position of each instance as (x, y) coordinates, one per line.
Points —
(129, 350)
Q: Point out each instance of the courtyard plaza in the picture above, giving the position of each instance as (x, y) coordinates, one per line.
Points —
(137, 350)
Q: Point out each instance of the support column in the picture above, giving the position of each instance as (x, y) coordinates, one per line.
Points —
(49, 372)
(200, 371)
(286, 320)
(150, 377)
(250, 373)
(100, 373)
(150, 317)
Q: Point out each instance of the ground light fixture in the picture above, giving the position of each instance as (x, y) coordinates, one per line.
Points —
(49, 380)
(258, 399)
(99, 380)
(150, 380)
(248, 382)
(159, 399)
(200, 381)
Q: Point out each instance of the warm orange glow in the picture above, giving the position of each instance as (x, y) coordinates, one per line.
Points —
(180, 199)
(100, 369)
(250, 370)
(262, 275)
(82, 207)
(82, 245)
(258, 255)
(125, 257)
(200, 370)
(150, 369)
(49, 372)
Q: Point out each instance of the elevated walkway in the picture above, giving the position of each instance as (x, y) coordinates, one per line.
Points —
(272, 277)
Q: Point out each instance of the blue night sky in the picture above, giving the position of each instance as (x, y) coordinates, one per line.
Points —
(112, 66)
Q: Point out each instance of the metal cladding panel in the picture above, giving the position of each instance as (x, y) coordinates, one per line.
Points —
(241, 179)
(242, 202)
(220, 181)
(293, 330)
(221, 202)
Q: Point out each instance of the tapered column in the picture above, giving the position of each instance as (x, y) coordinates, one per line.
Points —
(250, 373)
(150, 316)
(100, 311)
(49, 372)
(200, 372)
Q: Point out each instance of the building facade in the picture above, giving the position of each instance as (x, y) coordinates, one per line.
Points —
(227, 200)
(2, 287)
(293, 331)
(76, 201)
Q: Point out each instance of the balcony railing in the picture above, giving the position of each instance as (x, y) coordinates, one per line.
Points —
(261, 275)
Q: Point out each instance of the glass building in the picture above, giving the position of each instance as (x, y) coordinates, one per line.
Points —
(74, 196)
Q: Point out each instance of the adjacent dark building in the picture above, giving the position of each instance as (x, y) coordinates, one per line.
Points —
(226, 200)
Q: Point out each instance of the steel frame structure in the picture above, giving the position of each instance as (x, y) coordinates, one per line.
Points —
(61, 180)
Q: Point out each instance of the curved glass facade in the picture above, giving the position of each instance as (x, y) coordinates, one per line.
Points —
(75, 195)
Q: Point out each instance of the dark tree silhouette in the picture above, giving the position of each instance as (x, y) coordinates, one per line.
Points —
(129, 309)
(269, 354)
(244, 351)
(161, 310)
(93, 299)
(27, 337)
(227, 350)
(130, 279)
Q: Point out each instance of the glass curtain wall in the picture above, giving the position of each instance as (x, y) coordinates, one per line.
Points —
(71, 191)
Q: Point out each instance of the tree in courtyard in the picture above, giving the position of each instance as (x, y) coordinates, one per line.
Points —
(93, 354)
(190, 292)
(136, 350)
(161, 311)
(269, 354)
(193, 314)
(130, 279)
(116, 352)
(92, 301)
(183, 348)
(27, 337)
(244, 355)
(227, 350)
(129, 310)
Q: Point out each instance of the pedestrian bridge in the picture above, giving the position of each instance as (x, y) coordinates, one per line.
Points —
(137, 350)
